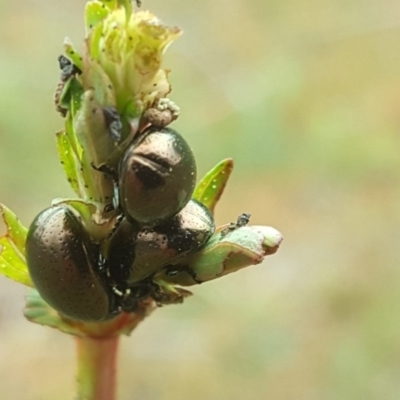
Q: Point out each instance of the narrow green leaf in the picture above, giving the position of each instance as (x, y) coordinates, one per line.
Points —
(70, 96)
(74, 145)
(224, 254)
(12, 265)
(70, 163)
(15, 230)
(38, 311)
(97, 219)
(94, 44)
(95, 13)
(95, 77)
(127, 4)
(72, 54)
(94, 137)
(85, 209)
(92, 131)
(12, 249)
(111, 4)
(76, 90)
(211, 187)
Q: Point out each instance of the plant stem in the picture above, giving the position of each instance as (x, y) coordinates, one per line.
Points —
(97, 358)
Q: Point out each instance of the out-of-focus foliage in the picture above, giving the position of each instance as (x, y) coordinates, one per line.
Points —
(12, 245)
(304, 96)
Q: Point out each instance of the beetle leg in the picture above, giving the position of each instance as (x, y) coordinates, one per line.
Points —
(165, 293)
(112, 173)
(173, 271)
(134, 295)
(118, 220)
(107, 170)
(117, 153)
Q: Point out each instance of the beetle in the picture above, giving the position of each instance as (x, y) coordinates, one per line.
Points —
(63, 264)
(135, 253)
(242, 220)
(157, 176)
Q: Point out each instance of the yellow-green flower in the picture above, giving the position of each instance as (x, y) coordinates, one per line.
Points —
(128, 48)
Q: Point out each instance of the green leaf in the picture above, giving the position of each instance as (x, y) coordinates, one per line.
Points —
(70, 163)
(39, 312)
(98, 82)
(111, 4)
(97, 219)
(127, 4)
(114, 4)
(92, 131)
(211, 187)
(85, 209)
(224, 253)
(76, 91)
(95, 13)
(167, 293)
(74, 145)
(15, 230)
(71, 94)
(72, 54)
(94, 137)
(12, 250)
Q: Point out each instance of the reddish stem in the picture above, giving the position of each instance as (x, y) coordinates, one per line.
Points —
(97, 367)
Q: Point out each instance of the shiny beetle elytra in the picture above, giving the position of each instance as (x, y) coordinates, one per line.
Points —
(63, 264)
(135, 253)
(157, 176)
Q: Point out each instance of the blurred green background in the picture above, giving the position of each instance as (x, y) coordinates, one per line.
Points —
(304, 95)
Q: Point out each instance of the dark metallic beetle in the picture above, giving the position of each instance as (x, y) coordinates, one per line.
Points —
(136, 253)
(157, 176)
(63, 264)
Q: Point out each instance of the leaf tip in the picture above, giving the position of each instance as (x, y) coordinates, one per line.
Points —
(272, 238)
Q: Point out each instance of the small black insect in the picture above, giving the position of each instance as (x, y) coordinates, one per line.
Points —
(242, 220)
(68, 71)
(113, 121)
